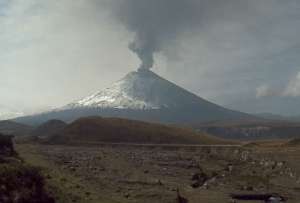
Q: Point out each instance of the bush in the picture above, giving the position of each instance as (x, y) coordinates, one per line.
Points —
(6, 145)
(20, 183)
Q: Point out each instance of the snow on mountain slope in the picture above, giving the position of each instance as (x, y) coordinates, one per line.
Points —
(142, 89)
(120, 95)
(6, 113)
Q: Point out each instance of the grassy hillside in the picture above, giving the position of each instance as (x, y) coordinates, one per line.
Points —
(116, 130)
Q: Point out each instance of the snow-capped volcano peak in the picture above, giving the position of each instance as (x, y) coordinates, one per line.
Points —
(141, 90)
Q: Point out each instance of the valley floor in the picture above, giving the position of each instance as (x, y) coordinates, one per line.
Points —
(153, 174)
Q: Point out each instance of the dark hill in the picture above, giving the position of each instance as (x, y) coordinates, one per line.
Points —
(252, 129)
(294, 143)
(49, 128)
(116, 130)
(14, 128)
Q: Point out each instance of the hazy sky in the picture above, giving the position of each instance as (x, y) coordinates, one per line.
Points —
(56, 51)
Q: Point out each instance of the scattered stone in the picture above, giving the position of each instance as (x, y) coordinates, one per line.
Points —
(159, 182)
(229, 167)
(199, 179)
(127, 195)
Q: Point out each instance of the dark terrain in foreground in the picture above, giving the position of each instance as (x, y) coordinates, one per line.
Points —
(19, 182)
(110, 173)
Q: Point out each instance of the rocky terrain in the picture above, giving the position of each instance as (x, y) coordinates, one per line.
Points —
(114, 173)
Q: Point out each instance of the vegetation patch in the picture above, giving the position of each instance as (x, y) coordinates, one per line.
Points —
(19, 182)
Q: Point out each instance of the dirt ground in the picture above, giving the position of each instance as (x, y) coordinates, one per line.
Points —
(153, 174)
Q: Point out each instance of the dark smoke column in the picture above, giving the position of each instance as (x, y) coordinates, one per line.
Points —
(144, 52)
(155, 23)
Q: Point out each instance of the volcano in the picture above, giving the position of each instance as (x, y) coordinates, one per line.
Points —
(142, 95)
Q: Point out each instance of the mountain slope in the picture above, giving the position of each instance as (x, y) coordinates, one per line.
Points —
(116, 130)
(142, 90)
(13, 128)
(142, 95)
(7, 113)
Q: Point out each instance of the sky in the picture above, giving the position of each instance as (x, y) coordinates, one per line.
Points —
(240, 54)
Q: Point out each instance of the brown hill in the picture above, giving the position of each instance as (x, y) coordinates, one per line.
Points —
(116, 130)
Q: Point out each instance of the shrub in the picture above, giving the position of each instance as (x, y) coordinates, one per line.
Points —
(21, 183)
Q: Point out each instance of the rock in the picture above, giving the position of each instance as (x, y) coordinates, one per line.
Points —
(159, 182)
(196, 185)
(280, 164)
(181, 199)
(249, 188)
(229, 167)
(199, 179)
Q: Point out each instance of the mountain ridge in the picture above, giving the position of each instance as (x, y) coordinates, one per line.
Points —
(8, 113)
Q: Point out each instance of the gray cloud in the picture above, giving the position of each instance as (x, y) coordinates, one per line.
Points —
(293, 88)
(235, 41)
(155, 23)
(267, 91)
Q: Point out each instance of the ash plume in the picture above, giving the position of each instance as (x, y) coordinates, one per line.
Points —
(156, 23)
